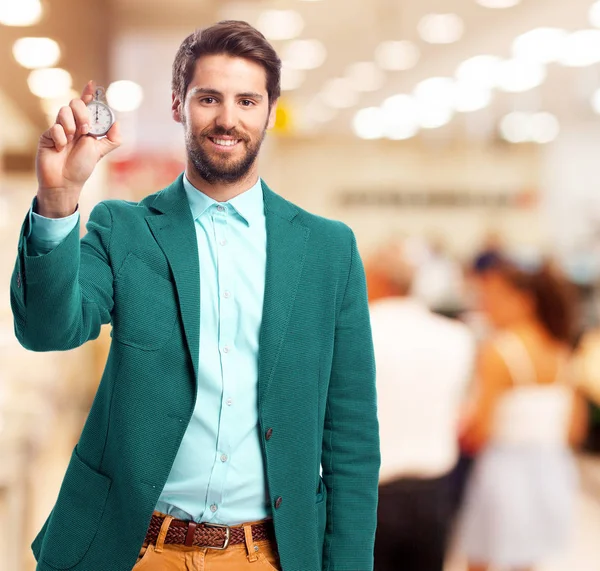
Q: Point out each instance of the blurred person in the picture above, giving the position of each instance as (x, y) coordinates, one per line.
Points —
(438, 280)
(424, 362)
(241, 360)
(526, 416)
(587, 363)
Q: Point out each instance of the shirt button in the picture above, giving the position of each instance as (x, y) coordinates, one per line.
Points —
(278, 502)
(223, 242)
(227, 294)
(229, 402)
(221, 208)
(213, 508)
(224, 458)
(269, 433)
(226, 349)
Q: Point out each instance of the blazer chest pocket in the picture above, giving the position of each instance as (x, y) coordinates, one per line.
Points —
(76, 516)
(145, 306)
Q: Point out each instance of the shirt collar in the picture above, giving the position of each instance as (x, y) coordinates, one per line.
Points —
(249, 205)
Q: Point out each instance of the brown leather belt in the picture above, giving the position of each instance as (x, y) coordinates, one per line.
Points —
(213, 536)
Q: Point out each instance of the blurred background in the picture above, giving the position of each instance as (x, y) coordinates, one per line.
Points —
(457, 125)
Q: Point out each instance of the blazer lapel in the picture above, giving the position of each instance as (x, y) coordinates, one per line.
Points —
(175, 233)
(286, 250)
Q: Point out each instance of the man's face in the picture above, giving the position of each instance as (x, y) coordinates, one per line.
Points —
(225, 116)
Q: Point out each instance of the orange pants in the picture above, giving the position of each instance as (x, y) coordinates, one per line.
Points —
(247, 556)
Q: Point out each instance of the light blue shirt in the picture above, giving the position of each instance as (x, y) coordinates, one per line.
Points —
(218, 474)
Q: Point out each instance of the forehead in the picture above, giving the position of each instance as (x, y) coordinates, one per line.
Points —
(229, 74)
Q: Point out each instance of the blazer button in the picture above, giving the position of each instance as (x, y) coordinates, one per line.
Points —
(269, 433)
(18, 279)
(278, 502)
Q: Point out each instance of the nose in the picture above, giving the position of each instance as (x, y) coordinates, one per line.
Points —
(226, 118)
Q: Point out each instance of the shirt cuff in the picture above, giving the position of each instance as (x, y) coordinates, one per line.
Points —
(47, 233)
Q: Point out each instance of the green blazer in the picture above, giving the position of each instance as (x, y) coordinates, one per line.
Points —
(137, 268)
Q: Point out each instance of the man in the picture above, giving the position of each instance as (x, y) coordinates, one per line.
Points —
(424, 362)
(241, 362)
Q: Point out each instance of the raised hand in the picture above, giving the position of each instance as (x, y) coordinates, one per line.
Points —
(67, 156)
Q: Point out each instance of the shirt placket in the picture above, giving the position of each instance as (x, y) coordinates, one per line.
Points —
(226, 336)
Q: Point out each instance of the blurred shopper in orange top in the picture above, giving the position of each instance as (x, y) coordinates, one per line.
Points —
(424, 362)
(526, 416)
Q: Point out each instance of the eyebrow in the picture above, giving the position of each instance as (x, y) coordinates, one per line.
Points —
(210, 91)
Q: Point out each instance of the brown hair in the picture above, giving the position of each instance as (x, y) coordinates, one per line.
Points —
(231, 37)
(554, 297)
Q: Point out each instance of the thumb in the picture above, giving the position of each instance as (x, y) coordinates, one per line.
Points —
(112, 140)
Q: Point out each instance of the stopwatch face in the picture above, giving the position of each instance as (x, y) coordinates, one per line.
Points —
(101, 118)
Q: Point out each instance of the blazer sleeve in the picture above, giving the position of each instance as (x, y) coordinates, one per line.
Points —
(351, 455)
(60, 299)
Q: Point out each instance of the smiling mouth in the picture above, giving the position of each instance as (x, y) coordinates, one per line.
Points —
(224, 143)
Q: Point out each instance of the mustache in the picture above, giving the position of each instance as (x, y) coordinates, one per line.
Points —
(220, 131)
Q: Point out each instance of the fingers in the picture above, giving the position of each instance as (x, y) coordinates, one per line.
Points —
(82, 116)
(74, 119)
(112, 140)
(88, 92)
(66, 120)
(54, 137)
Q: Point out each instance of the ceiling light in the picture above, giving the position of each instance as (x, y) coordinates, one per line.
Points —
(304, 54)
(369, 123)
(470, 97)
(397, 56)
(436, 92)
(49, 83)
(517, 76)
(441, 28)
(594, 14)
(406, 113)
(365, 76)
(431, 117)
(339, 93)
(34, 53)
(399, 104)
(401, 131)
(498, 4)
(543, 128)
(541, 45)
(21, 13)
(514, 127)
(435, 99)
(521, 127)
(291, 78)
(581, 49)
(400, 117)
(124, 95)
(479, 70)
(280, 24)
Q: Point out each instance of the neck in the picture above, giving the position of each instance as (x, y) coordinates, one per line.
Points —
(221, 191)
(529, 326)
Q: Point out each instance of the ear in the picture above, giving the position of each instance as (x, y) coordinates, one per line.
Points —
(176, 108)
(272, 116)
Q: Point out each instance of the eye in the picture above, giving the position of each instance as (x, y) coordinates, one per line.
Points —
(208, 100)
(247, 102)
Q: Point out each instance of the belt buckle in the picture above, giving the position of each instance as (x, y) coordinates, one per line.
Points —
(227, 535)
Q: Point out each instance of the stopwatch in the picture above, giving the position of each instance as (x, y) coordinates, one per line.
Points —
(102, 117)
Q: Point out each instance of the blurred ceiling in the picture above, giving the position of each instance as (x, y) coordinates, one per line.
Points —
(96, 35)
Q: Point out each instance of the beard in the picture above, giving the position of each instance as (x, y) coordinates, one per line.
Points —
(222, 169)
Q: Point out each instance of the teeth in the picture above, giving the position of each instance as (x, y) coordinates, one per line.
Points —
(225, 142)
